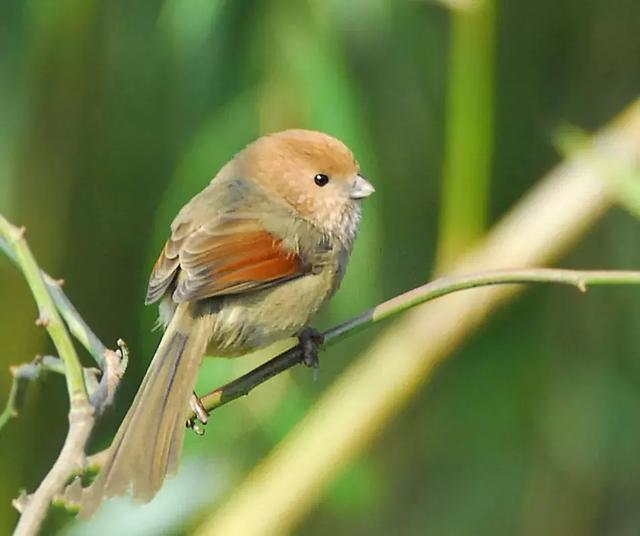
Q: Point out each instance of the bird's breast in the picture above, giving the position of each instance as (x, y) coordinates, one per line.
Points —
(244, 323)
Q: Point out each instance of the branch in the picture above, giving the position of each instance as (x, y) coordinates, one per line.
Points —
(435, 289)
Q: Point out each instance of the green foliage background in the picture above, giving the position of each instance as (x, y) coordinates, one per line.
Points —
(112, 114)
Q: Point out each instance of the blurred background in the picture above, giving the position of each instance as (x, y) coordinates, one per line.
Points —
(113, 114)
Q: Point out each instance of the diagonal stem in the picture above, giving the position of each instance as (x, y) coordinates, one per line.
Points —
(77, 326)
(49, 316)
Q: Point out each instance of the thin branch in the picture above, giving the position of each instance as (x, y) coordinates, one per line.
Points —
(435, 289)
(29, 372)
(101, 384)
(115, 365)
(22, 375)
(49, 316)
(71, 460)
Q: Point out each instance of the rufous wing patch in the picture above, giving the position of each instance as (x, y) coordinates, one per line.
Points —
(233, 257)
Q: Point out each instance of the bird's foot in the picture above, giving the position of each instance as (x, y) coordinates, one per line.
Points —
(311, 341)
(202, 415)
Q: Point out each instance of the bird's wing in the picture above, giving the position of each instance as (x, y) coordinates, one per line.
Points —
(231, 254)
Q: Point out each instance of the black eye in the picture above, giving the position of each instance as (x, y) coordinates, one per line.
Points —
(321, 179)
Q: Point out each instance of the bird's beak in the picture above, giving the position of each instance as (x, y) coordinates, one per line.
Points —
(361, 188)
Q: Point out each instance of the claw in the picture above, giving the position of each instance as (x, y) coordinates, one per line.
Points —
(198, 408)
(311, 340)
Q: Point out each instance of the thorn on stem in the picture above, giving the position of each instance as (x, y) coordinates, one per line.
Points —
(21, 501)
(42, 322)
(123, 350)
(582, 285)
(21, 232)
(59, 282)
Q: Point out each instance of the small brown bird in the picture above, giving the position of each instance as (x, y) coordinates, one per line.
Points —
(250, 260)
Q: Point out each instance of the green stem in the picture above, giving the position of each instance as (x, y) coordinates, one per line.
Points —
(77, 326)
(49, 316)
(435, 289)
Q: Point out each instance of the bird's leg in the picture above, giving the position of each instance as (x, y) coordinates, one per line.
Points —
(198, 408)
(311, 340)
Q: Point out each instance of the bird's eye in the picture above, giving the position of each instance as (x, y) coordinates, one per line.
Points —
(321, 179)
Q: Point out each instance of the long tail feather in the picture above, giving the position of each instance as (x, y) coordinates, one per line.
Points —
(148, 444)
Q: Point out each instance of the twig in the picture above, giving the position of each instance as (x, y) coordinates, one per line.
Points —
(22, 375)
(435, 289)
(49, 316)
(28, 372)
(115, 365)
(101, 385)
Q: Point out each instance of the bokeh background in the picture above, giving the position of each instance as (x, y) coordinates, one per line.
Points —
(113, 114)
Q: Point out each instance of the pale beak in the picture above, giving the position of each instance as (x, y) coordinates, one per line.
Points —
(361, 188)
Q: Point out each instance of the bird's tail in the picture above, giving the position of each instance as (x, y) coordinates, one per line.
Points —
(148, 443)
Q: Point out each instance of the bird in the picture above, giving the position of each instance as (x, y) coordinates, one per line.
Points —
(250, 260)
